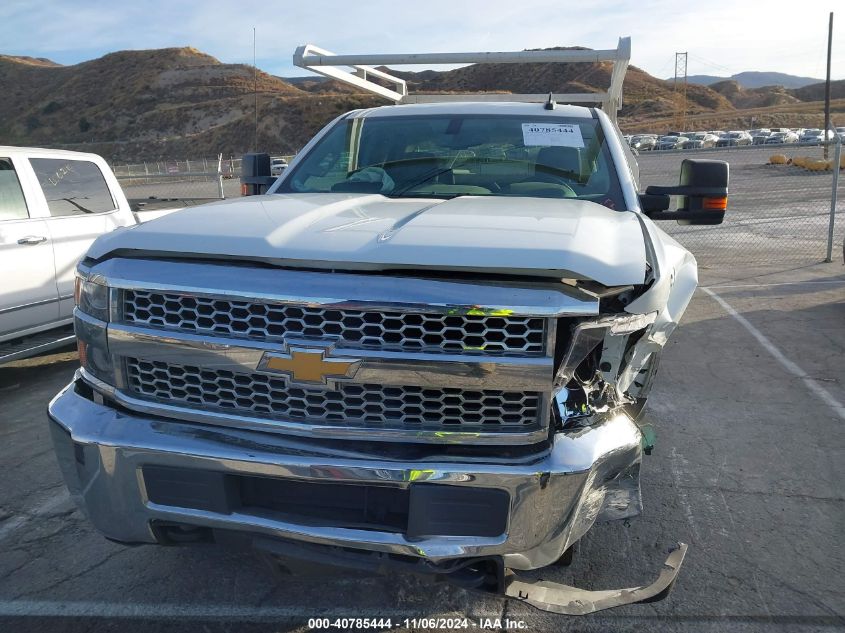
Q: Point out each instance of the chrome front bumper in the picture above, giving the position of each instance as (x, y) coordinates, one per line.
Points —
(555, 495)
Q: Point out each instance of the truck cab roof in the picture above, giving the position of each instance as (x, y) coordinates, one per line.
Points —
(475, 108)
(14, 150)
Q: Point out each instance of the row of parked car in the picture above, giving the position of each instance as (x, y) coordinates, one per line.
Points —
(719, 138)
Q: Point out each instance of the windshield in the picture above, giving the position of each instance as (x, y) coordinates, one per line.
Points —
(443, 156)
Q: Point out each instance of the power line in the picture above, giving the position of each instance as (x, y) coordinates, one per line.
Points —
(710, 63)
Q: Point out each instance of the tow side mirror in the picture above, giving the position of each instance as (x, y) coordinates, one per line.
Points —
(703, 189)
(255, 174)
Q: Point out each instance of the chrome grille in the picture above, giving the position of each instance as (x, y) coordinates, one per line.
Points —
(352, 405)
(396, 331)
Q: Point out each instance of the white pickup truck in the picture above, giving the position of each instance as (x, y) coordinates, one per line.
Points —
(426, 348)
(53, 205)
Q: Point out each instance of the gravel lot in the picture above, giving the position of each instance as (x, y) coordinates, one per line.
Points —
(748, 470)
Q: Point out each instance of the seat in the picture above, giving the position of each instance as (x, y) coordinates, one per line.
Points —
(562, 161)
(411, 166)
(539, 189)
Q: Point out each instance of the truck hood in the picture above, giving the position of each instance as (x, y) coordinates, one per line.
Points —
(525, 236)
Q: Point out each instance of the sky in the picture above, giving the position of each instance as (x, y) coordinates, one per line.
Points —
(722, 37)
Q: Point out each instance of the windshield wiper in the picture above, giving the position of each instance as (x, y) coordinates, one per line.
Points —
(423, 194)
(434, 173)
(420, 181)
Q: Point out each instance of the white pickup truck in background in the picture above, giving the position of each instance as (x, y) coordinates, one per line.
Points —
(53, 205)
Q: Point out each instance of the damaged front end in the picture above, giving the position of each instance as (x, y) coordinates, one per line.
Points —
(159, 440)
(608, 369)
(560, 598)
(604, 371)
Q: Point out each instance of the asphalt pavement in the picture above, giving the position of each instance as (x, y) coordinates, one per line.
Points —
(748, 470)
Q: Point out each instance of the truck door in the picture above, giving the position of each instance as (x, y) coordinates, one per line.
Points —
(28, 294)
(79, 201)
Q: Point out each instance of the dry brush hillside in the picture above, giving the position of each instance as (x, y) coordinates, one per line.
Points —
(134, 105)
(156, 104)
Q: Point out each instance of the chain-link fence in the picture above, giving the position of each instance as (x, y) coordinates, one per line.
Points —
(778, 214)
(185, 180)
(229, 165)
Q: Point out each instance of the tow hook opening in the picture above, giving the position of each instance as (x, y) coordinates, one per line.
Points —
(167, 533)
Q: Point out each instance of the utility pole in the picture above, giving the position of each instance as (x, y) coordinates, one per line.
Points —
(255, 92)
(680, 92)
(827, 85)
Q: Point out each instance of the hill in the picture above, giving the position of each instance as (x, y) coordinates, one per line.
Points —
(756, 79)
(154, 104)
(180, 102)
(642, 93)
(31, 61)
(815, 92)
(753, 97)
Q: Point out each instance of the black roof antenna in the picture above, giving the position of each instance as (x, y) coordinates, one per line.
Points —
(550, 104)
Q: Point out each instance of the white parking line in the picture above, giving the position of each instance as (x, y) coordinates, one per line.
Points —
(7, 528)
(790, 366)
(810, 282)
(47, 608)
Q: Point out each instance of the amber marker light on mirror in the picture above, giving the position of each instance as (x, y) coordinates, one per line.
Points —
(715, 204)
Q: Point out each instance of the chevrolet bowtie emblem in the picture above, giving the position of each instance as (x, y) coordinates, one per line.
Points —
(309, 364)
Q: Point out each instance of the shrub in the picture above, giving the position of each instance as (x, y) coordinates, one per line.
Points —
(50, 108)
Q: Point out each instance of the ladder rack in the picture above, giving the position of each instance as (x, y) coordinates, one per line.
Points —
(334, 66)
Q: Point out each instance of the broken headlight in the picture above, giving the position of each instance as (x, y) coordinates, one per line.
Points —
(588, 335)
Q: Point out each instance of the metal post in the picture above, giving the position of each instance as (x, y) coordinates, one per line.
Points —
(220, 193)
(827, 85)
(255, 92)
(837, 158)
(680, 92)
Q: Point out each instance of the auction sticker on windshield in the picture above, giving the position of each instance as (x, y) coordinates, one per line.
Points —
(552, 134)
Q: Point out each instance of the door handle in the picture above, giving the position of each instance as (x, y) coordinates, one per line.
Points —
(32, 239)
